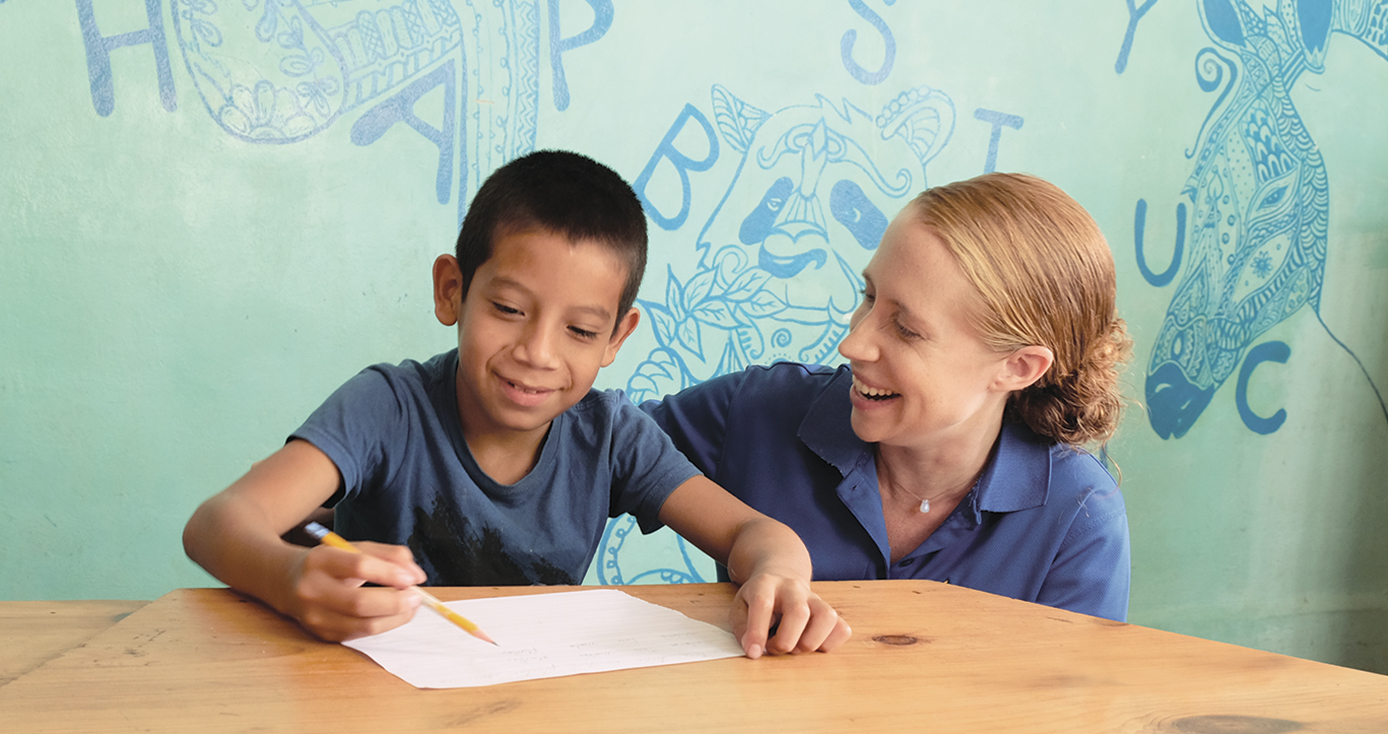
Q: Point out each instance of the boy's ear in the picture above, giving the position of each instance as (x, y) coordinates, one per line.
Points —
(1024, 367)
(625, 326)
(448, 290)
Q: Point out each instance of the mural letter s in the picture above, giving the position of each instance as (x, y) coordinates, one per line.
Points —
(850, 37)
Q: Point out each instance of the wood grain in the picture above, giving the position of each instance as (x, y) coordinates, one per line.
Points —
(35, 632)
(924, 657)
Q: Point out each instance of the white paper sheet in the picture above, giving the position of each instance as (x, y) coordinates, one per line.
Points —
(543, 636)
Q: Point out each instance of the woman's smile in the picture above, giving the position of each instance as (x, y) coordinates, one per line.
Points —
(874, 394)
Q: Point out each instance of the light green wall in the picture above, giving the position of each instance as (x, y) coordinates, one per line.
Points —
(174, 300)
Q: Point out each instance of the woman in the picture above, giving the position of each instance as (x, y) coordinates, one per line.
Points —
(984, 354)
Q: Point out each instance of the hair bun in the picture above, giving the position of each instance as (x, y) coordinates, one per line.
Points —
(1084, 405)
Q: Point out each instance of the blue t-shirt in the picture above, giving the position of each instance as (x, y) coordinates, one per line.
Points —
(1046, 522)
(408, 478)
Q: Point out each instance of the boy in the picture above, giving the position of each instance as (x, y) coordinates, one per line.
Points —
(496, 463)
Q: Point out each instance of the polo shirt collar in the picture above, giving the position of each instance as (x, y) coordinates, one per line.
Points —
(827, 428)
(1019, 476)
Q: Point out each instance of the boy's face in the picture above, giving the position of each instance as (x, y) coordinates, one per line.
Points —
(534, 327)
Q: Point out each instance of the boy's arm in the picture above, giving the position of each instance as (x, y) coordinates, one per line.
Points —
(235, 535)
(769, 562)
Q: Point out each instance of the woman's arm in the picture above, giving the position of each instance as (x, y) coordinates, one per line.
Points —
(696, 418)
(1092, 570)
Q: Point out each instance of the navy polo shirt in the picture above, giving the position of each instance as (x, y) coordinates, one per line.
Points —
(1046, 522)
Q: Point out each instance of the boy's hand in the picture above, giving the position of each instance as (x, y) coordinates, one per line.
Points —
(328, 597)
(768, 561)
(802, 621)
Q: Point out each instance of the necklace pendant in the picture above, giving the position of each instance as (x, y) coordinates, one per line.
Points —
(925, 506)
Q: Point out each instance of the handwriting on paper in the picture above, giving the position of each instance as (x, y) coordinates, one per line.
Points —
(544, 636)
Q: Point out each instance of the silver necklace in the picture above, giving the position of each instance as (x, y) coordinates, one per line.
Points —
(925, 501)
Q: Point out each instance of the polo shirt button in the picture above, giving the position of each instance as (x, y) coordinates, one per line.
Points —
(907, 562)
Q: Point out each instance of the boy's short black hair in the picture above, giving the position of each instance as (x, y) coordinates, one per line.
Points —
(567, 194)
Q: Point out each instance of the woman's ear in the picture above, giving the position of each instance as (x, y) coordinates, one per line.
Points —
(1025, 366)
(448, 290)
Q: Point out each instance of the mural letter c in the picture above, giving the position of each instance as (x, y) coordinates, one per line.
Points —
(1265, 352)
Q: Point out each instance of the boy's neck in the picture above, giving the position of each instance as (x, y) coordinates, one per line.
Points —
(505, 454)
(506, 458)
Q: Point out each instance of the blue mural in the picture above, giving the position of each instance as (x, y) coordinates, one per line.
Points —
(777, 277)
(1257, 205)
(100, 46)
(274, 72)
(778, 259)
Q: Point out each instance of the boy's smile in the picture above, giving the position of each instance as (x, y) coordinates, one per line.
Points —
(534, 328)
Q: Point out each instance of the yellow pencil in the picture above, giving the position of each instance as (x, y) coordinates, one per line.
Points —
(328, 537)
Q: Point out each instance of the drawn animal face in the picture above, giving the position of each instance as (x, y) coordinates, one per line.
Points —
(1260, 204)
(811, 199)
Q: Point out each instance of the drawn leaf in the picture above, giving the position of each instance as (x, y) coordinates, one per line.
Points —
(697, 289)
(674, 296)
(737, 120)
(763, 304)
(662, 321)
(747, 284)
(691, 336)
(716, 313)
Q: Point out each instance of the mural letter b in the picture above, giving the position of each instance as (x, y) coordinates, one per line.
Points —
(683, 165)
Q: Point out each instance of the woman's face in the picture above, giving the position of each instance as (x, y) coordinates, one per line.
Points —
(921, 374)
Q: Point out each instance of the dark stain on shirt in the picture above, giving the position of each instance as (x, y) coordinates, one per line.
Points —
(453, 553)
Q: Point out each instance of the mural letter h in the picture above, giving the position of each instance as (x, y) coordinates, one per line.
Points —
(99, 55)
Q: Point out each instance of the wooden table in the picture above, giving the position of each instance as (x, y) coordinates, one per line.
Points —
(34, 632)
(924, 657)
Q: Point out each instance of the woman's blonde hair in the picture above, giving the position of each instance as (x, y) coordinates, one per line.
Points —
(1045, 276)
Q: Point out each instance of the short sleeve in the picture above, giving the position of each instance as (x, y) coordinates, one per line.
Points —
(355, 427)
(1092, 571)
(647, 466)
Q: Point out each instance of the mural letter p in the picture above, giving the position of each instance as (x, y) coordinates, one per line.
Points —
(602, 20)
